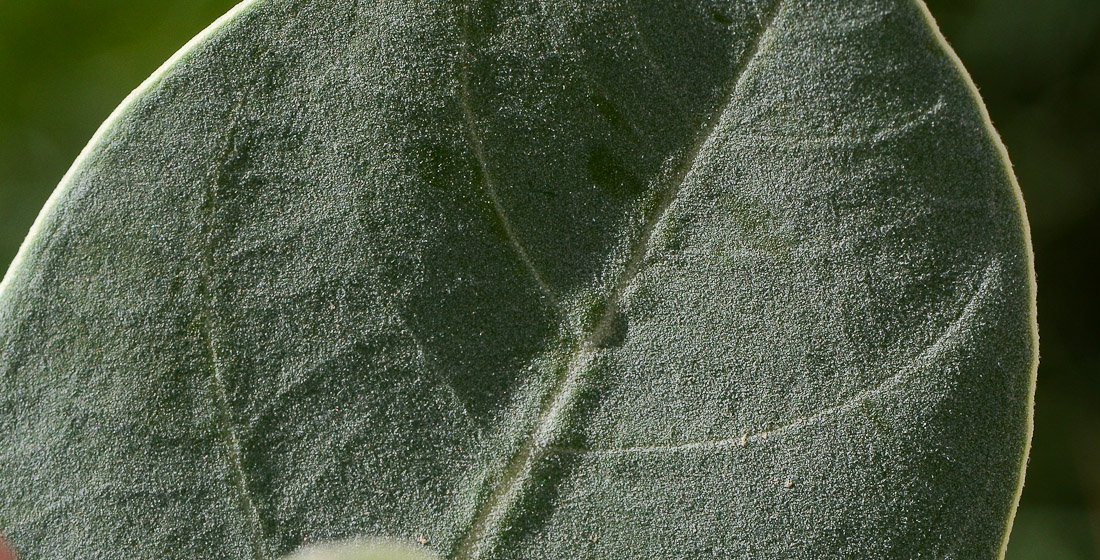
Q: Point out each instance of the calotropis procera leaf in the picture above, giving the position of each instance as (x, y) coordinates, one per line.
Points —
(515, 279)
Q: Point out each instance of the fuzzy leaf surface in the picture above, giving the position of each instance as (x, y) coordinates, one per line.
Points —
(529, 280)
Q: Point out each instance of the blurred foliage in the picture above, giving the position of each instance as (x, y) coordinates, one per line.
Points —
(65, 64)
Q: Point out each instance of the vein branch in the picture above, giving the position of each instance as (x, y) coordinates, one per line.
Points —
(487, 180)
(486, 524)
(925, 357)
(208, 325)
(228, 431)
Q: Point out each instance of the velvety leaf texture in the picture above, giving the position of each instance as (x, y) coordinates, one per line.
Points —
(518, 279)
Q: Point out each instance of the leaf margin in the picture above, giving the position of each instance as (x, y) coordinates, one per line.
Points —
(1029, 253)
(222, 24)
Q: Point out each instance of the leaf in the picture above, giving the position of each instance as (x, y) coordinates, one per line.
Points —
(567, 279)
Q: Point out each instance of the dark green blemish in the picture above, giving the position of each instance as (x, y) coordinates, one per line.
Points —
(575, 422)
(609, 112)
(672, 236)
(592, 308)
(494, 221)
(616, 332)
(175, 285)
(275, 72)
(496, 227)
(873, 415)
(611, 176)
(720, 18)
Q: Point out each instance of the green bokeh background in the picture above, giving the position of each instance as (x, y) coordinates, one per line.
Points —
(65, 64)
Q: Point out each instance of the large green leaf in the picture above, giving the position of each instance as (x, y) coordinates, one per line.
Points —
(516, 279)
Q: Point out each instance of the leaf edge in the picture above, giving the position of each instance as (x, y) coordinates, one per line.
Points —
(146, 86)
(1029, 254)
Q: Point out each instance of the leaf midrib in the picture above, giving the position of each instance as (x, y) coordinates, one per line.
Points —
(484, 525)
